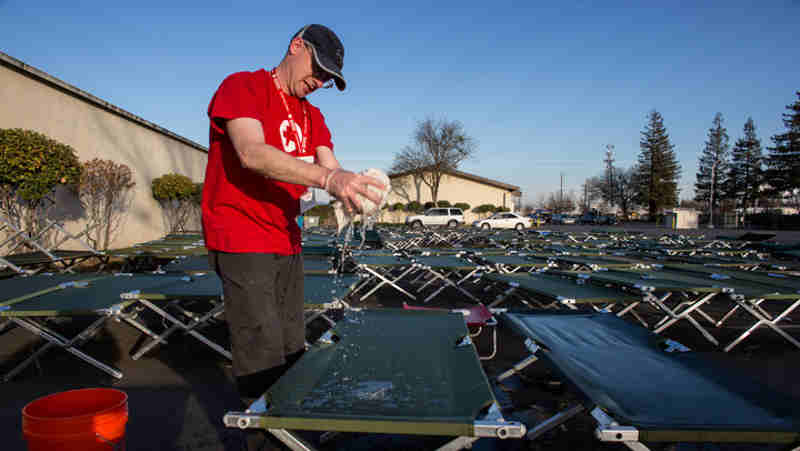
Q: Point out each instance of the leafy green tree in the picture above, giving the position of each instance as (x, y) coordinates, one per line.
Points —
(175, 193)
(747, 167)
(658, 168)
(32, 165)
(713, 167)
(783, 161)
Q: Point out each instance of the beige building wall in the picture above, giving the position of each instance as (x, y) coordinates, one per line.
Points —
(453, 189)
(36, 101)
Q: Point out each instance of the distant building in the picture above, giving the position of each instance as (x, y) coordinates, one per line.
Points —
(455, 187)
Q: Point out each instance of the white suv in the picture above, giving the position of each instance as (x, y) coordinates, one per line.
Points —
(450, 217)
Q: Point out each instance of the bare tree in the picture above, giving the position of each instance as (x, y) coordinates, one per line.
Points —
(560, 203)
(591, 190)
(438, 146)
(627, 190)
(105, 192)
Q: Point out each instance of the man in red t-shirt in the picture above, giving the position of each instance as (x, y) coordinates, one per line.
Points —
(267, 145)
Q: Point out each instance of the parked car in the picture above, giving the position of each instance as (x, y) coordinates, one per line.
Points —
(563, 219)
(607, 219)
(504, 221)
(450, 217)
(588, 218)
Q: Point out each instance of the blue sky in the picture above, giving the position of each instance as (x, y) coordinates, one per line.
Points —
(542, 89)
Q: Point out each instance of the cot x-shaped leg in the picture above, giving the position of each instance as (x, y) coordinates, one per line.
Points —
(765, 320)
(187, 328)
(69, 345)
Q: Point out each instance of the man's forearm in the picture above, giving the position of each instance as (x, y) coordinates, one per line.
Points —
(270, 162)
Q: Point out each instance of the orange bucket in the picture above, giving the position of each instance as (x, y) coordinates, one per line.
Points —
(90, 419)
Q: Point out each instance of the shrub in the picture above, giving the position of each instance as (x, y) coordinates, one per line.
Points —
(484, 208)
(104, 191)
(501, 209)
(197, 194)
(173, 187)
(323, 212)
(399, 206)
(463, 206)
(443, 204)
(177, 195)
(31, 167)
(429, 205)
(414, 207)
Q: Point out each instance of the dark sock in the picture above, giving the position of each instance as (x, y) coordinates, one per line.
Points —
(252, 386)
(292, 358)
(255, 384)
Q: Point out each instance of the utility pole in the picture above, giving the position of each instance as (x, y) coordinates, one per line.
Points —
(610, 183)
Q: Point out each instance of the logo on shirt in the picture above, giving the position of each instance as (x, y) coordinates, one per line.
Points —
(288, 137)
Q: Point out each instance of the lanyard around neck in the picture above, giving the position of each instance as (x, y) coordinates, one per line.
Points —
(301, 143)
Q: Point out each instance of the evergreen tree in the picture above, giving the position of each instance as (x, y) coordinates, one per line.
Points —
(746, 171)
(783, 173)
(713, 166)
(658, 169)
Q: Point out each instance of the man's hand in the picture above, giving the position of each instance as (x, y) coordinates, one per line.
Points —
(348, 186)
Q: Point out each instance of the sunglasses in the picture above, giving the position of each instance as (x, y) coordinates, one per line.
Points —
(317, 72)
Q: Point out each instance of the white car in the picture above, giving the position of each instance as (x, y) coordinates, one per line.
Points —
(449, 217)
(504, 221)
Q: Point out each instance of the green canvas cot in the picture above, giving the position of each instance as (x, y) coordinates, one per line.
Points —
(386, 371)
(638, 391)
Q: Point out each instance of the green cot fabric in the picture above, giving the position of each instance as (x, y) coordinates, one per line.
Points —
(38, 258)
(206, 286)
(15, 288)
(511, 260)
(757, 279)
(658, 280)
(621, 367)
(192, 263)
(96, 295)
(388, 365)
(317, 265)
(321, 289)
(381, 260)
(188, 236)
(559, 287)
(608, 262)
(444, 262)
(319, 249)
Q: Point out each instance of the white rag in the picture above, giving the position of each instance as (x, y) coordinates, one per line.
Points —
(368, 207)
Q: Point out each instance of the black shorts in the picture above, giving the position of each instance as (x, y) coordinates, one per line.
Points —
(263, 307)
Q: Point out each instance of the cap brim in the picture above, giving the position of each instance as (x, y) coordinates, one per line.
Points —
(328, 66)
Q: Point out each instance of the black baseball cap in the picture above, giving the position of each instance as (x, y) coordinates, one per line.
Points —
(328, 50)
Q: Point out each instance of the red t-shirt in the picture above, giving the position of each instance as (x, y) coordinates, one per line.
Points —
(244, 211)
